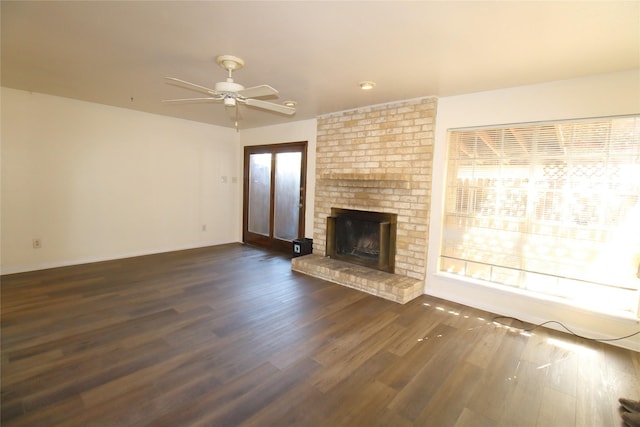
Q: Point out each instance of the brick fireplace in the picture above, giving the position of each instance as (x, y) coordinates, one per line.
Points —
(376, 159)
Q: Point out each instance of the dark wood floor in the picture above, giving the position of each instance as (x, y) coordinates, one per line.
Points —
(229, 336)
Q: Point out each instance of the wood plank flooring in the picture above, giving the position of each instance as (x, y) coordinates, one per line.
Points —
(230, 336)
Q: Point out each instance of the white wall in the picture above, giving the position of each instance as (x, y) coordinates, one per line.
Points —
(303, 130)
(594, 96)
(96, 182)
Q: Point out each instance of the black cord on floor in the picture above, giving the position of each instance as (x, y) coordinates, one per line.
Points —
(495, 319)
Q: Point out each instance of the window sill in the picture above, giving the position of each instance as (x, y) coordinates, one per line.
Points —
(584, 309)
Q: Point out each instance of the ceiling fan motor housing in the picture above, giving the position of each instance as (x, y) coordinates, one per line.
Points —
(228, 87)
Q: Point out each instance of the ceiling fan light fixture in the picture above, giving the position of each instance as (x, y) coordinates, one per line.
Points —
(367, 85)
(229, 102)
(290, 103)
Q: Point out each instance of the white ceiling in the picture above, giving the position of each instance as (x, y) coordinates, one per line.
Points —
(315, 53)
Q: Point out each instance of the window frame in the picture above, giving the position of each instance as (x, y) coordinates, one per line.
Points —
(447, 195)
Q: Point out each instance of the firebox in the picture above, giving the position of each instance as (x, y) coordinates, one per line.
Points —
(362, 237)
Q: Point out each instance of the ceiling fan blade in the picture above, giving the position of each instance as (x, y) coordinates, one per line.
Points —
(257, 91)
(191, 100)
(191, 86)
(270, 106)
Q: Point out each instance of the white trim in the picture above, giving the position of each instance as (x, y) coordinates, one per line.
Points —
(67, 263)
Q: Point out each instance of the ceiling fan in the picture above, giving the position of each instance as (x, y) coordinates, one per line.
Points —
(231, 93)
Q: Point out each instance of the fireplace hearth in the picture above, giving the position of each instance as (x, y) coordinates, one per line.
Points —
(362, 237)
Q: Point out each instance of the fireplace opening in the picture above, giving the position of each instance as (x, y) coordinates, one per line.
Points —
(362, 237)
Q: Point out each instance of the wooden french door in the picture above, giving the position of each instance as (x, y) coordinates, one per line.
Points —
(274, 194)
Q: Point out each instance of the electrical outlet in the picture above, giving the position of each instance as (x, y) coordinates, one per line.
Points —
(37, 243)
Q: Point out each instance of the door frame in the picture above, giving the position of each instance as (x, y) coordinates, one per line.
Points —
(271, 241)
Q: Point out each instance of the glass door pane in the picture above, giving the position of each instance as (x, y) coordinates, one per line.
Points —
(259, 193)
(287, 195)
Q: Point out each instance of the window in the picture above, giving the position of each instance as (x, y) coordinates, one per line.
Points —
(551, 208)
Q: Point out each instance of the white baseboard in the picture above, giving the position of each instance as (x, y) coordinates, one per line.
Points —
(88, 260)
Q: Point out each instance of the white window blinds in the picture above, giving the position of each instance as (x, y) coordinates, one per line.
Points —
(552, 208)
